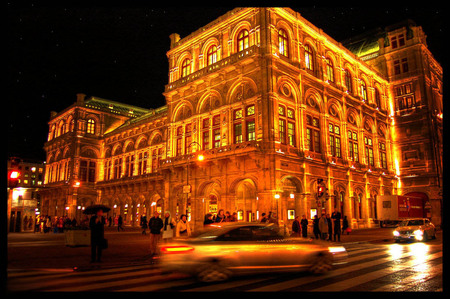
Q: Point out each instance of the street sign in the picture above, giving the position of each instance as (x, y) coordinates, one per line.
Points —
(187, 189)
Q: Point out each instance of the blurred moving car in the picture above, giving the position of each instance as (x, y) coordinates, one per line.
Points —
(419, 229)
(243, 248)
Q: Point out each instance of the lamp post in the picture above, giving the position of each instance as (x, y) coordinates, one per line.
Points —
(187, 187)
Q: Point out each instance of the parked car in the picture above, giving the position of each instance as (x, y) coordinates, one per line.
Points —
(243, 248)
(418, 229)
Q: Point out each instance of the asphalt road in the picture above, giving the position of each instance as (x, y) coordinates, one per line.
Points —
(42, 262)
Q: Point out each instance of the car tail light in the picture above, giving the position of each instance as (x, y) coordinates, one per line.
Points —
(177, 249)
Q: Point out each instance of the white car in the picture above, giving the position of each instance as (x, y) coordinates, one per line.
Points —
(418, 229)
(243, 248)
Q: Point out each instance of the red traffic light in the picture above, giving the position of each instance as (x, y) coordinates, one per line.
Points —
(14, 174)
(320, 190)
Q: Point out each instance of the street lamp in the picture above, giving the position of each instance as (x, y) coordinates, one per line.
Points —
(187, 188)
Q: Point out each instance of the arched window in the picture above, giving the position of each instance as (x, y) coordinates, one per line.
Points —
(90, 126)
(212, 55)
(186, 68)
(283, 43)
(363, 90)
(330, 70)
(309, 58)
(348, 81)
(242, 40)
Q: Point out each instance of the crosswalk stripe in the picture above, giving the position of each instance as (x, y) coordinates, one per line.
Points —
(228, 285)
(411, 280)
(78, 279)
(351, 282)
(346, 269)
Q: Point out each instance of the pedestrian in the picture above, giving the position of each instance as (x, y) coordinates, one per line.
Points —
(208, 219)
(155, 224)
(271, 218)
(323, 227)
(119, 223)
(144, 224)
(227, 217)
(183, 229)
(304, 225)
(233, 217)
(220, 216)
(345, 227)
(169, 225)
(316, 229)
(330, 227)
(96, 224)
(336, 216)
(263, 218)
(110, 220)
(296, 228)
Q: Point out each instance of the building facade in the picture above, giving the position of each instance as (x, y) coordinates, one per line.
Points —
(24, 196)
(274, 107)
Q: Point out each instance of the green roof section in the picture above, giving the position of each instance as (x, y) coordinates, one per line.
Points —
(115, 107)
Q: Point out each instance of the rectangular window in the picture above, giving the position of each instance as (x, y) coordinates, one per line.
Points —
(216, 133)
(250, 130)
(291, 133)
(206, 140)
(238, 133)
(282, 130)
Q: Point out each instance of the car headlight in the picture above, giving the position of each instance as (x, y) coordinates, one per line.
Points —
(396, 233)
(418, 232)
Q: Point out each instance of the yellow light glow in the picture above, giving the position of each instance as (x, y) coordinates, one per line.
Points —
(200, 157)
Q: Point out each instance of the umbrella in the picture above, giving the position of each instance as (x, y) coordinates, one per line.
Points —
(94, 208)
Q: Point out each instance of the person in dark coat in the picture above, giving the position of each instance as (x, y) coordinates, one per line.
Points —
(330, 227)
(344, 225)
(316, 229)
(144, 224)
(96, 224)
(304, 225)
(296, 228)
(155, 224)
(119, 223)
(336, 216)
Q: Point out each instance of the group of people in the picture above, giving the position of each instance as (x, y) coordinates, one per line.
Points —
(323, 227)
(46, 224)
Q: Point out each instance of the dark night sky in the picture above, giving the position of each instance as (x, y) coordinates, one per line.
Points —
(118, 52)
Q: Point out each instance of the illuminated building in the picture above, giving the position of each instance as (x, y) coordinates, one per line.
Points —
(24, 197)
(273, 104)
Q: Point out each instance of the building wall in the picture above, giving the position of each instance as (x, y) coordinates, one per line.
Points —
(273, 104)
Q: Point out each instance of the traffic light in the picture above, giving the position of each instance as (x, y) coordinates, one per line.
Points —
(13, 178)
(320, 191)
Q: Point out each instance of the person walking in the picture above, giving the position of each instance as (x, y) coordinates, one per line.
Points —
(119, 223)
(323, 227)
(345, 227)
(304, 225)
(330, 227)
(168, 227)
(336, 216)
(144, 224)
(316, 229)
(155, 224)
(296, 228)
(96, 224)
(183, 229)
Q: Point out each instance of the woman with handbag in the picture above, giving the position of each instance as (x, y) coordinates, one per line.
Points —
(169, 225)
(98, 241)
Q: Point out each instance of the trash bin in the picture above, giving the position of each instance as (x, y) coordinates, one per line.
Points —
(77, 237)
